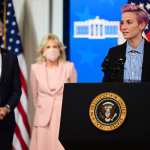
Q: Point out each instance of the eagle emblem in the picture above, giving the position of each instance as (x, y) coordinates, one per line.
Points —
(107, 111)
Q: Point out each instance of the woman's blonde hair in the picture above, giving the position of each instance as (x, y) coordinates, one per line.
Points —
(52, 37)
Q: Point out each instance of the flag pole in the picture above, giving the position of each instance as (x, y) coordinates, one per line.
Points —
(4, 19)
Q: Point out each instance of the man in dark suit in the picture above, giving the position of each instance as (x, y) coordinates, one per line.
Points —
(10, 92)
(130, 61)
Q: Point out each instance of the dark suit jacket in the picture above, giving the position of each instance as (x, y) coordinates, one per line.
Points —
(113, 64)
(10, 92)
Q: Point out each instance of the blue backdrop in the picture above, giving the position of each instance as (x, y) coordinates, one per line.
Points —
(87, 52)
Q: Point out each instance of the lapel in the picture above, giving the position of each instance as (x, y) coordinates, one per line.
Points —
(3, 65)
(122, 58)
(146, 60)
(122, 50)
(58, 77)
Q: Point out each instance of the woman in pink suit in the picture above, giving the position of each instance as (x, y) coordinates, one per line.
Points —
(47, 78)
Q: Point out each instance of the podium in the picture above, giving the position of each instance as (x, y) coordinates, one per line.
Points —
(77, 131)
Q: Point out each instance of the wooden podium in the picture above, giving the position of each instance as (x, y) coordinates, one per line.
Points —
(77, 131)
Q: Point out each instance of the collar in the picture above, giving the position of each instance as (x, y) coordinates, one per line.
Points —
(139, 49)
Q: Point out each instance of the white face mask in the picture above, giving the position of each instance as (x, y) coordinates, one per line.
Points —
(51, 54)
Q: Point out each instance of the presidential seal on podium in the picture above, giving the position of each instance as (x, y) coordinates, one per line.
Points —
(107, 111)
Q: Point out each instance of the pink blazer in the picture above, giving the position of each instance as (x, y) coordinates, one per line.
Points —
(46, 91)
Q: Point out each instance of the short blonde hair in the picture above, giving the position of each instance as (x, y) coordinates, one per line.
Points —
(52, 37)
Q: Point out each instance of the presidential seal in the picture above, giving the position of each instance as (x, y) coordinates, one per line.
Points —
(107, 111)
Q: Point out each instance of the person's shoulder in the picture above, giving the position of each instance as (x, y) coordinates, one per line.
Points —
(69, 67)
(118, 46)
(36, 65)
(69, 63)
(117, 49)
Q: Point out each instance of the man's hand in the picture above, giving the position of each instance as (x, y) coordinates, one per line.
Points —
(3, 112)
